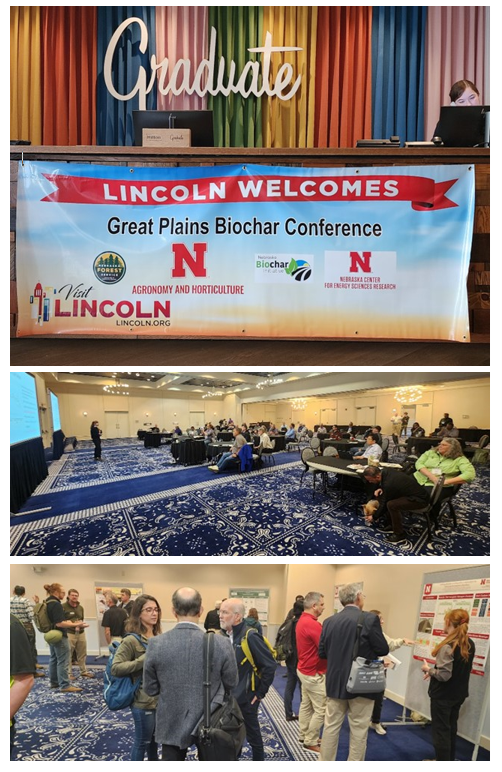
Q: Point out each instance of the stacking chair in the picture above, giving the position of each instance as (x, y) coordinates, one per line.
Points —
(268, 452)
(427, 510)
(385, 450)
(330, 451)
(315, 444)
(308, 453)
(295, 444)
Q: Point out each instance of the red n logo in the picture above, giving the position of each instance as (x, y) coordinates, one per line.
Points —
(360, 262)
(194, 262)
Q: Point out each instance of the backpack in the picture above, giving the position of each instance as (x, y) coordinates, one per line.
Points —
(249, 657)
(41, 616)
(284, 641)
(119, 691)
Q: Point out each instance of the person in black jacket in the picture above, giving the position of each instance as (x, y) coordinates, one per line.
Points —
(337, 646)
(449, 682)
(251, 688)
(397, 493)
(96, 438)
(212, 620)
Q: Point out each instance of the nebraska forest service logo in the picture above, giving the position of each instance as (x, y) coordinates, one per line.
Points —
(109, 267)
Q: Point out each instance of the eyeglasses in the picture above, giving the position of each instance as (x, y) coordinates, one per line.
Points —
(150, 610)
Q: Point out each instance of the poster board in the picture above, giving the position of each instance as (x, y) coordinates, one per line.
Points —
(467, 588)
(258, 599)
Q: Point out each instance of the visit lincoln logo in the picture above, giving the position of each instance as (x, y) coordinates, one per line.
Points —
(109, 267)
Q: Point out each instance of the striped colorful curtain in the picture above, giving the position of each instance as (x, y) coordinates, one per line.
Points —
(182, 34)
(25, 77)
(114, 117)
(68, 75)
(457, 46)
(398, 62)
(237, 121)
(343, 76)
(291, 123)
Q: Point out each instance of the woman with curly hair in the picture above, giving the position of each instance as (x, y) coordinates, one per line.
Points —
(449, 682)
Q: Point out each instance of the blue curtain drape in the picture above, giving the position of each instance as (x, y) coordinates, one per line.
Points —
(114, 117)
(398, 62)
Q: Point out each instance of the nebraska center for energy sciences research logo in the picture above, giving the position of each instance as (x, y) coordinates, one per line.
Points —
(283, 268)
(109, 267)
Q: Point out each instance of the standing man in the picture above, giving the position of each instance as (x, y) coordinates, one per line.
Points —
(21, 608)
(126, 602)
(251, 688)
(59, 663)
(78, 645)
(114, 619)
(338, 637)
(311, 671)
(22, 671)
(174, 670)
(212, 620)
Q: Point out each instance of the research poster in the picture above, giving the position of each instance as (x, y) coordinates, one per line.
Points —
(244, 251)
(473, 595)
(258, 599)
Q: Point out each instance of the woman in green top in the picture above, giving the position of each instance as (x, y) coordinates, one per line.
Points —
(129, 660)
(447, 460)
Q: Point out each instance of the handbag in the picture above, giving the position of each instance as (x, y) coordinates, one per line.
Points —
(367, 676)
(221, 734)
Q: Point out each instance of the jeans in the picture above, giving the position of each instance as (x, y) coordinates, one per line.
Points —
(227, 461)
(144, 740)
(59, 663)
(291, 686)
(253, 732)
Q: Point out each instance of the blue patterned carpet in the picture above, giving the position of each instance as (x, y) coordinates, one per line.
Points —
(137, 502)
(79, 727)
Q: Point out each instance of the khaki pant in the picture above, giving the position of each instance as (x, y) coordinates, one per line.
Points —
(78, 644)
(359, 711)
(312, 708)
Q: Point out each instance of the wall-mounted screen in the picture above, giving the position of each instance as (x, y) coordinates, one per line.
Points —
(24, 420)
(56, 418)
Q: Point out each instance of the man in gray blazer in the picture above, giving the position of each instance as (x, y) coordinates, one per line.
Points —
(337, 641)
(174, 670)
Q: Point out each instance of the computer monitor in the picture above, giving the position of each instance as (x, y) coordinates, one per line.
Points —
(200, 123)
(464, 126)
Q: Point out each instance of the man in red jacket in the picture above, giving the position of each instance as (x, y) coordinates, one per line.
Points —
(311, 671)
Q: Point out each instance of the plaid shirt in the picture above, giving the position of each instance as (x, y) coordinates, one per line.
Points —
(21, 608)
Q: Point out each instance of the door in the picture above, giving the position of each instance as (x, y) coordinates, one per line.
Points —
(365, 416)
(116, 424)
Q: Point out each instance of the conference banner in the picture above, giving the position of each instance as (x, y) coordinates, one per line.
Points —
(244, 251)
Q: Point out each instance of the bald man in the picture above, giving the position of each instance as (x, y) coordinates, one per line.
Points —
(232, 613)
(174, 670)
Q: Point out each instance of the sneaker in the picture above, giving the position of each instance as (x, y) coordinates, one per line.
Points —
(87, 675)
(214, 468)
(378, 728)
(72, 689)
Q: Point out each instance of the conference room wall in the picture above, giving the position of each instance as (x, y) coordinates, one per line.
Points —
(163, 411)
(471, 401)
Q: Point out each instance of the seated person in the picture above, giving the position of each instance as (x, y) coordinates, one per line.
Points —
(416, 431)
(463, 93)
(291, 434)
(230, 459)
(448, 430)
(335, 433)
(209, 433)
(375, 430)
(265, 441)
(321, 430)
(444, 420)
(448, 460)
(372, 450)
(246, 433)
(273, 429)
(283, 428)
(156, 429)
(396, 493)
(177, 431)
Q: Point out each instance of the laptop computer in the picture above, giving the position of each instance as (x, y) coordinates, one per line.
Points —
(464, 126)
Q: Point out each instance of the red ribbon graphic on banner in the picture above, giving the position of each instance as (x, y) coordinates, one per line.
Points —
(424, 193)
